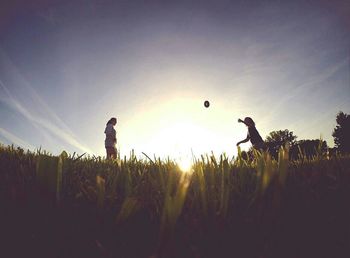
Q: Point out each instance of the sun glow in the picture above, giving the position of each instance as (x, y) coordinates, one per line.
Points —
(185, 164)
(181, 138)
(176, 124)
(180, 127)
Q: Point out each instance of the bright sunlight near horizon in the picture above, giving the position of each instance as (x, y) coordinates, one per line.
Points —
(181, 127)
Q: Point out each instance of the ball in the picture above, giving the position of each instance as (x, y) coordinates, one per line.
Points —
(206, 103)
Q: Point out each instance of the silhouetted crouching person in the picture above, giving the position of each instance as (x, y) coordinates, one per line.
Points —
(111, 138)
(253, 135)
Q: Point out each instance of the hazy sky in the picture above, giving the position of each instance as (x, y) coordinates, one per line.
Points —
(68, 66)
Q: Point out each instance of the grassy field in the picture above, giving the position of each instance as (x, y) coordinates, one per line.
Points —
(77, 206)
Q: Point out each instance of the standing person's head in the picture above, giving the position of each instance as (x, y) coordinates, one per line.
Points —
(249, 122)
(112, 121)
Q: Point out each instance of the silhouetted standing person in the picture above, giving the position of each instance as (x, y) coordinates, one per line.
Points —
(253, 134)
(111, 138)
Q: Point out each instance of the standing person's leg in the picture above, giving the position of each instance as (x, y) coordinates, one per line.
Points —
(109, 151)
(113, 153)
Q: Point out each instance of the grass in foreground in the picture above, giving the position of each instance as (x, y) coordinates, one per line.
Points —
(71, 206)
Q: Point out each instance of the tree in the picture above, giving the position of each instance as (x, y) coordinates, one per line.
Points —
(276, 139)
(341, 133)
(309, 148)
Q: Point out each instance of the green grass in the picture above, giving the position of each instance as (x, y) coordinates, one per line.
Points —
(134, 207)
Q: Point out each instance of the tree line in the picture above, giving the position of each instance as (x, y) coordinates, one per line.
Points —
(309, 148)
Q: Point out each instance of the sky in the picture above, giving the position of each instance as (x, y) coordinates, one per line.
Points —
(67, 67)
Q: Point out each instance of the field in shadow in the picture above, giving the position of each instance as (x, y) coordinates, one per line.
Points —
(71, 206)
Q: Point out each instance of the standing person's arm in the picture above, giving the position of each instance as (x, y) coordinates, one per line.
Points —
(248, 137)
(243, 141)
(241, 121)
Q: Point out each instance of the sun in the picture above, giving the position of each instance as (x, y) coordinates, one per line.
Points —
(185, 164)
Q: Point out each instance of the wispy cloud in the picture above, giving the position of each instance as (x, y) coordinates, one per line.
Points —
(40, 104)
(41, 122)
(15, 140)
(310, 84)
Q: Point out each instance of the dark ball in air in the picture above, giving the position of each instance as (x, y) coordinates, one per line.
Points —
(206, 103)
